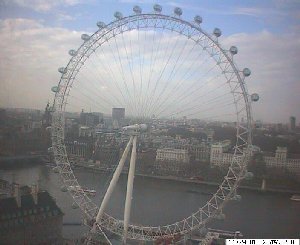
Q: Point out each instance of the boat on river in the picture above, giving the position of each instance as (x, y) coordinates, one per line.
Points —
(296, 197)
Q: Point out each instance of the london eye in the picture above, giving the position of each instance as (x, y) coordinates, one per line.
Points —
(158, 67)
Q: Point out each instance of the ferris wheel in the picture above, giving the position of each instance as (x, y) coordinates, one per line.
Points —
(158, 67)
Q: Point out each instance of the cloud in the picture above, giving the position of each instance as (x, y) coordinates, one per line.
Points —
(32, 52)
(29, 61)
(42, 5)
(248, 11)
(273, 60)
(64, 17)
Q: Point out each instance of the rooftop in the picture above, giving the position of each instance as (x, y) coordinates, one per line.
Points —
(46, 206)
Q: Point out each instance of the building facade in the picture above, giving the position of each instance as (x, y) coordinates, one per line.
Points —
(292, 125)
(200, 152)
(218, 156)
(89, 119)
(282, 160)
(32, 218)
(118, 115)
(171, 154)
(79, 149)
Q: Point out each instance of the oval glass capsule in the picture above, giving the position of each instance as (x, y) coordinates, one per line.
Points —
(54, 89)
(62, 70)
(178, 11)
(157, 8)
(198, 19)
(137, 9)
(101, 24)
(72, 52)
(233, 50)
(118, 15)
(85, 37)
(247, 72)
(254, 97)
(217, 32)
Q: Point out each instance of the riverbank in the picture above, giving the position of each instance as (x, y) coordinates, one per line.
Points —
(200, 182)
(172, 178)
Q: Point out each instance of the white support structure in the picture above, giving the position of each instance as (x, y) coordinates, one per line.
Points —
(129, 190)
(110, 190)
(113, 182)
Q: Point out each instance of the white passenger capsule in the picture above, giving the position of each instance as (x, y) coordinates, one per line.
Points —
(217, 32)
(137, 10)
(72, 52)
(254, 97)
(85, 37)
(54, 89)
(246, 72)
(178, 11)
(62, 70)
(118, 15)
(101, 24)
(198, 19)
(233, 50)
(157, 8)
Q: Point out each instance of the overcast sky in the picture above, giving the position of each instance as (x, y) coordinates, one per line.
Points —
(36, 36)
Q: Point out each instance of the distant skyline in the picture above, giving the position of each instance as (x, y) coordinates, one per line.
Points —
(36, 36)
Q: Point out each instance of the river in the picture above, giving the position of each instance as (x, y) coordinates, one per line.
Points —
(159, 202)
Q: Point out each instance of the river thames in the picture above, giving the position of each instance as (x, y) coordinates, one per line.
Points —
(159, 202)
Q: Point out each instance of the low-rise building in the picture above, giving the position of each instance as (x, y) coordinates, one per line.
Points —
(85, 131)
(200, 152)
(80, 149)
(31, 218)
(171, 154)
(281, 159)
(218, 156)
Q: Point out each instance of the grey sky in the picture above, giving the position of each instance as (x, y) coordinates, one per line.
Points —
(36, 36)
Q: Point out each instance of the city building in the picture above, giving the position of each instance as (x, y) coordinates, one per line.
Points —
(46, 120)
(118, 114)
(90, 119)
(171, 154)
(219, 155)
(281, 159)
(30, 218)
(85, 131)
(292, 125)
(200, 152)
(79, 149)
(210, 136)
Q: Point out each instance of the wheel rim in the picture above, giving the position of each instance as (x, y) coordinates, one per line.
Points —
(235, 80)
